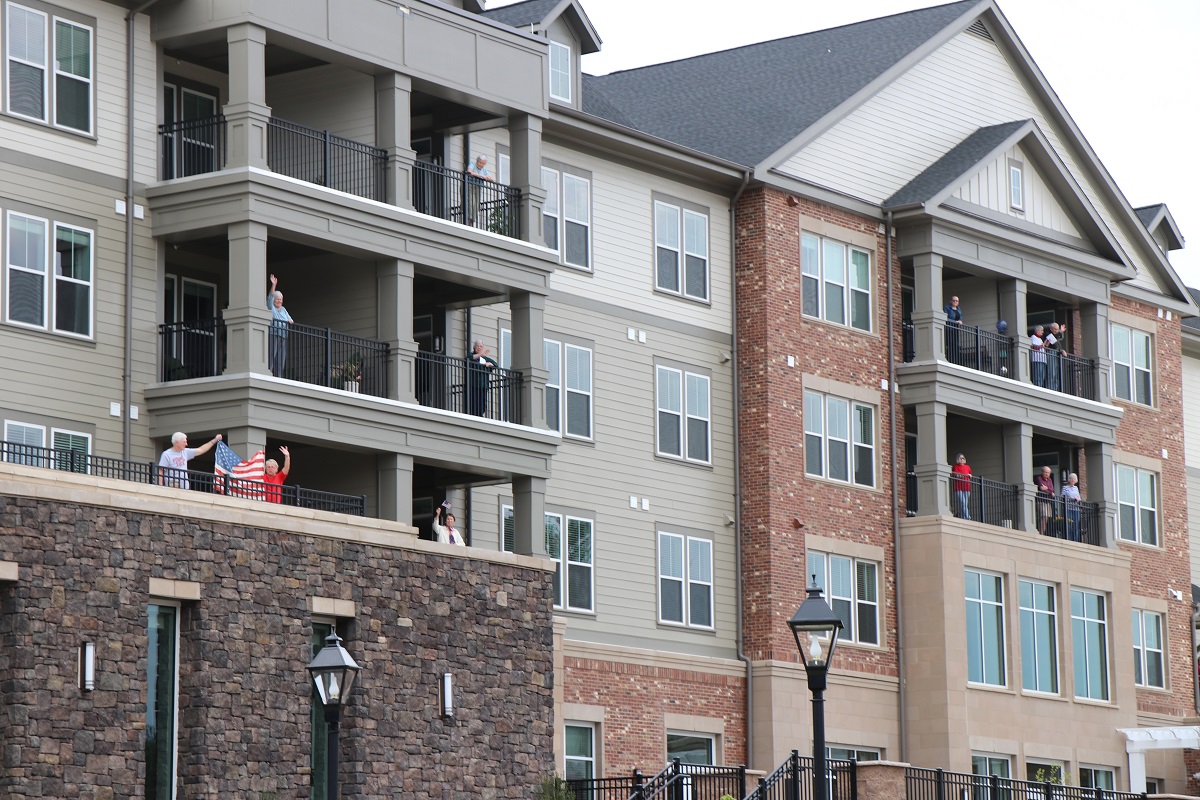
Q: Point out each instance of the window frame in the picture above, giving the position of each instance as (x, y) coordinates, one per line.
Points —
(562, 560)
(1081, 647)
(156, 602)
(1133, 339)
(87, 437)
(591, 760)
(683, 415)
(820, 274)
(681, 212)
(851, 442)
(569, 563)
(88, 81)
(559, 47)
(1016, 188)
(1029, 630)
(550, 207)
(687, 580)
(26, 460)
(979, 650)
(854, 753)
(50, 18)
(713, 739)
(9, 266)
(553, 383)
(1088, 774)
(1142, 649)
(568, 390)
(559, 176)
(90, 283)
(854, 601)
(1138, 505)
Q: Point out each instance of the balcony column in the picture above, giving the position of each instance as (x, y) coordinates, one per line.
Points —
(247, 113)
(395, 487)
(528, 355)
(393, 133)
(1013, 310)
(1018, 470)
(248, 441)
(529, 515)
(1093, 318)
(932, 469)
(1100, 488)
(525, 173)
(395, 297)
(928, 319)
(247, 320)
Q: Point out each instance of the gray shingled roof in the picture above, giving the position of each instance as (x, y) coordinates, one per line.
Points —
(1147, 213)
(521, 15)
(1193, 322)
(746, 103)
(964, 155)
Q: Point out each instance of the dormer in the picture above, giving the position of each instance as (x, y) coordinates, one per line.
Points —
(570, 34)
(1158, 220)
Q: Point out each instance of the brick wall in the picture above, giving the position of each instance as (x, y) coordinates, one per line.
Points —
(776, 493)
(244, 728)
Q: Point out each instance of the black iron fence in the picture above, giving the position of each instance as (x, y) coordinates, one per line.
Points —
(194, 147)
(982, 350)
(910, 493)
(1066, 373)
(909, 335)
(793, 780)
(458, 384)
(984, 500)
(195, 480)
(462, 197)
(192, 349)
(1073, 520)
(324, 357)
(938, 784)
(606, 788)
(327, 160)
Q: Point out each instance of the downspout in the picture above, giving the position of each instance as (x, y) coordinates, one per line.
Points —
(127, 376)
(737, 473)
(891, 340)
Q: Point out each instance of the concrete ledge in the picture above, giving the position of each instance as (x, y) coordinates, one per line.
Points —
(8, 571)
(332, 607)
(174, 590)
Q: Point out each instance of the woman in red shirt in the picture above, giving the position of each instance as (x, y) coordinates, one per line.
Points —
(961, 484)
(274, 476)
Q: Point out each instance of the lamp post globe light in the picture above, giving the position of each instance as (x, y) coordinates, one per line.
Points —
(816, 629)
(333, 672)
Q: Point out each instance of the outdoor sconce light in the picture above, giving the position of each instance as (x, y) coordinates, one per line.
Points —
(447, 693)
(87, 666)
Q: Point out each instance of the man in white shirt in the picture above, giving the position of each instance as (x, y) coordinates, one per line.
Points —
(173, 462)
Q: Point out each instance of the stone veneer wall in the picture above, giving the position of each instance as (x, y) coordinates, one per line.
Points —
(244, 694)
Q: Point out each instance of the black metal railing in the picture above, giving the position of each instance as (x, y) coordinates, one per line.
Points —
(621, 788)
(792, 780)
(909, 336)
(192, 349)
(679, 781)
(462, 197)
(1073, 520)
(324, 357)
(910, 493)
(1066, 373)
(457, 384)
(938, 784)
(193, 147)
(985, 500)
(325, 159)
(982, 350)
(195, 480)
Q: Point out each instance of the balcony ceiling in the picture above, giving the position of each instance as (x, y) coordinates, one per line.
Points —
(214, 55)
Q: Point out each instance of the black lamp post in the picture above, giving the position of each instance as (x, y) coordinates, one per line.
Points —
(333, 672)
(816, 629)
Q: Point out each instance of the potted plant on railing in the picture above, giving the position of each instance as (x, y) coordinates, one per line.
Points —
(348, 373)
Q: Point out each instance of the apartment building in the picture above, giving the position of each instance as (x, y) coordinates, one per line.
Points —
(719, 365)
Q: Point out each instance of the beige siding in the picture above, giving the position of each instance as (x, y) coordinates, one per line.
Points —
(1191, 411)
(329, 97)
(964, 85)
(989, 188)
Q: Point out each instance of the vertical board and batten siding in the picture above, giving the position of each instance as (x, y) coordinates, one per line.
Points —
(989, 188)
(966, 84)
(1191, 450)
(330, 97)
(600, 476)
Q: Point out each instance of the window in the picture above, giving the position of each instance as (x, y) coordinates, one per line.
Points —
(575, 571)
(1089, 632)
(580, 751)
(319, 753)
(579, 391)
(503, 167)
(1016, 190)
(683, 414)
(162, 678)
(24, 444)
(840, 753)
(31, 93)
(851, 587)
(989, 766)
(70, 450)
(1152, 786)
(839, 436)
(680, 250)
(985, 628)
(566, 215)
(1044, 771)
(1097, 778)
(1137, 505)
(691, 748)
(553, 357)
(1132, 365)
(560, 71)
(1039, 636)
(1148, 649)
(685, 580)
(70, 295)
(836, 282)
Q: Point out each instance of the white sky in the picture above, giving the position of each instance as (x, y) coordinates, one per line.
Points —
(1128, 72)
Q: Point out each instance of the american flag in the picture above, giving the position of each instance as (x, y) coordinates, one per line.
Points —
(245, 476)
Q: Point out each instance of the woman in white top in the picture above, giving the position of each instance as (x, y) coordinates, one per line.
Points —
(443, 526)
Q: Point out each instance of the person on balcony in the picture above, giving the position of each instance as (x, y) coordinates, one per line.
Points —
(479, 376)
(477, 176)
(280, 319)
(1071, 499)
(953, 329)
(274, 477)
(1055, 346)
(1037, 356)
(443, 526)
(172, 464)
(1044, 481)
(962, 487)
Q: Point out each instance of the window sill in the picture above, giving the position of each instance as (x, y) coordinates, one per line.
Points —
(696, 301)
(987, 687)
(58, 336)
(838, 326)
(843, 484)
(683, 462)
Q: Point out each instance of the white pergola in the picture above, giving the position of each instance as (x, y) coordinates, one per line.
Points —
(1140, 740)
